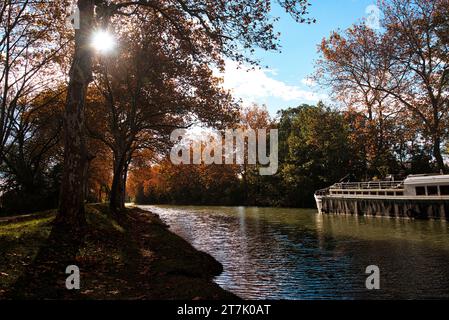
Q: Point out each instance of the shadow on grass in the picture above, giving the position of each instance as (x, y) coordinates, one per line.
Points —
(45, 277)
(131, 256)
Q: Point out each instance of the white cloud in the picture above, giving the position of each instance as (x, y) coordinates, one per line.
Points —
(258, 85)
(308, 82)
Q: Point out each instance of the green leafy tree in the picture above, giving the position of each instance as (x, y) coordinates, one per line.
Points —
(315, 150)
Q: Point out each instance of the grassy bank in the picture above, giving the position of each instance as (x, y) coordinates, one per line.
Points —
(132, 257)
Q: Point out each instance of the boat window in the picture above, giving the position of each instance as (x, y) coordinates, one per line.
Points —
(444, 190)
(420, 191)
(400, 193)
(390, 193)
(432, 190)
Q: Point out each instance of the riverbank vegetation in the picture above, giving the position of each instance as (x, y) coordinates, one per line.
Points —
(103, 135)
(87, 108)
(390, 118)
(136, 71)
(318, 146)
(382, 124)
(134, 256)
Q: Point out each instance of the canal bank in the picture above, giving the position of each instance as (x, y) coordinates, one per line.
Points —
(132, 256)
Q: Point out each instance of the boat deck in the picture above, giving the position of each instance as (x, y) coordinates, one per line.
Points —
(383, 198)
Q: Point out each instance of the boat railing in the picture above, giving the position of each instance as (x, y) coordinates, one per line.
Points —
(369, 185)
(322, 192)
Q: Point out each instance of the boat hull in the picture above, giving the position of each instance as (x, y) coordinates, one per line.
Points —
(319, 203)
(388, 207)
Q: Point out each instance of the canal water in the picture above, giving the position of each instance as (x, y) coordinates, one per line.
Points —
(271, 253)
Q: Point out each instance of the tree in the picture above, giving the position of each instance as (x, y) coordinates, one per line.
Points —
(99, 173)
(31, 161)
(315, 152)
(406, 64)
(420, 68)
(351, 66)
(224, 28)
(256, 118)
(71, 213)
(30, 47)
(184, 184)
(147, 90)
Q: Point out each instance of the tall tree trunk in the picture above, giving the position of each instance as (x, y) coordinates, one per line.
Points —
(123, 190)
(114, 198)
(116, 194)
(71, 206)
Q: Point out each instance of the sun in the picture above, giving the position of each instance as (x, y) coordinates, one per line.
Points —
(102, 41)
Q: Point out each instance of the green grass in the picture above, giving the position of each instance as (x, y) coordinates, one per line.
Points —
(16, 230)
(133, 256)
(20, 241)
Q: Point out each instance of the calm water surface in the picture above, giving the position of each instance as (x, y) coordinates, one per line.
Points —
(271, 253)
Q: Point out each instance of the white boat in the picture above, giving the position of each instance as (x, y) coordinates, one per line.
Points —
(418, 196)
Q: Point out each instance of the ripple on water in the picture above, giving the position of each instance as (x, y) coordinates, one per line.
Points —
(296, 254)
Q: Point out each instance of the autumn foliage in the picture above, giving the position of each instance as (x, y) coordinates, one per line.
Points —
(77, 126)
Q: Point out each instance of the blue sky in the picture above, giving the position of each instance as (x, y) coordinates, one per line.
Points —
(284, 84)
